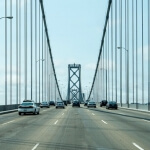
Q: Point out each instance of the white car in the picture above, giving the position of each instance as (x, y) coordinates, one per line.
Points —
(28, 107)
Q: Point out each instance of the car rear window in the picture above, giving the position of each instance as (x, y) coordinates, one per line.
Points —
(26, 104)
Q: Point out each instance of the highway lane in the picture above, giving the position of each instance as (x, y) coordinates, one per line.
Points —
(75, 129)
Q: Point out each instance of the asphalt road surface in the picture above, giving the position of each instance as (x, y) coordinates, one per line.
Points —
(76, 129)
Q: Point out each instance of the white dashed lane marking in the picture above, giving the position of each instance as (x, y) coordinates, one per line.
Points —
(8, 122)
(137, 146)
(56, 122)
(35, 146)
(147, 121)
(104, 122)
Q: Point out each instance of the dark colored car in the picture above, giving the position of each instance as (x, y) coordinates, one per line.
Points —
(76, 103)
(65, 102)
(52, 103)
(111, 104)
(103, 103)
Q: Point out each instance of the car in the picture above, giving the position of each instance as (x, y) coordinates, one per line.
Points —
(103, 103)
(52, 103)
(91, 104)
(28, 100)
(44, 104)
(60, 105)
(111, 104)
(82, 102)
(85, 104)
(65, 102)
(75, 103)
(28, 107)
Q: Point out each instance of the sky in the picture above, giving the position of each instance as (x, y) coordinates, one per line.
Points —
(75, 31)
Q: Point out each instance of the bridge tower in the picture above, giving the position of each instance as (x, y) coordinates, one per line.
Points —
(74, 83)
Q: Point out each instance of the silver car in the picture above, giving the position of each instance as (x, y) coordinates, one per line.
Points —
(28, 107)
(44, 104)
(60, 105)
(91, 104)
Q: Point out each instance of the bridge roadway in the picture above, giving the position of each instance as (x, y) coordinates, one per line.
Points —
(76, 129)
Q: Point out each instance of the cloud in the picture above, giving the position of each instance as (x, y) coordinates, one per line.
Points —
(90, 66)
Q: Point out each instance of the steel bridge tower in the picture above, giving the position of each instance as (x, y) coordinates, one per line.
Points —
(74, 83)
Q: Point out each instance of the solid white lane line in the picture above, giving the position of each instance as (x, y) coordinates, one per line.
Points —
(35, 146)
(62, 114)
(56, 122)
(137, 146)
(104, 122)
(8, 122)
(146, 120)
(45, 110)
(93, 114)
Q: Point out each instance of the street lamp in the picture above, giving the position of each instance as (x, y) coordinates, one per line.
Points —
(127, 88)
(9, 17)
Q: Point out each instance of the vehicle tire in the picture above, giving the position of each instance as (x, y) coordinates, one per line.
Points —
(34, 112)
(19, 113)
(56, 107)
(38, 113)
(100, 105)
(95, 106)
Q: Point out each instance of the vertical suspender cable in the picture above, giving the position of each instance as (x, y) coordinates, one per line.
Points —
(10, 53)
(112, 45)
(16, 51)
(133, 48)
(121, 52)
(5, 53)
(25, 45)
(36, 50)
(116, 49)
(127, 53)
(46, 75)
(142, 60)
(31, 47)
(125, 20)
(136, 58)
(42, 59)
(19, 51)
(103, 69)
(148, 55)
(106, 62)
(39, 54)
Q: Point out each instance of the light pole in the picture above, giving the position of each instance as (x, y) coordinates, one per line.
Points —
(127, 80)
(8, 17)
